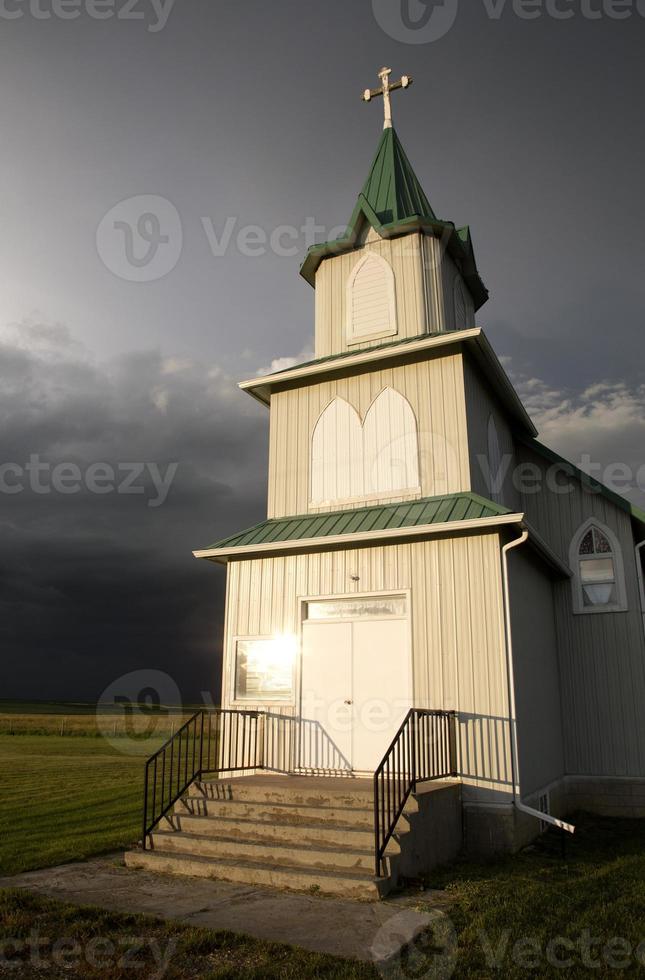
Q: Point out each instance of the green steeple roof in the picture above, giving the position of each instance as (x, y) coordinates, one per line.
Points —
(393, 202)
(392, 188)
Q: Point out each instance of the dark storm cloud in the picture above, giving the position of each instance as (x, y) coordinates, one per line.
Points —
(94, 585)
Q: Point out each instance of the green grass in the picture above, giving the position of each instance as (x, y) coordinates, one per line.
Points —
(537, 896)
(67, 798)
(157, 949)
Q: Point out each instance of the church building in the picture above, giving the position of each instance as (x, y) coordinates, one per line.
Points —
(434, 596)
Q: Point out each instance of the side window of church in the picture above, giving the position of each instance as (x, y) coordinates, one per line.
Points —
(371, 300)
(377, 458)
(598, 574)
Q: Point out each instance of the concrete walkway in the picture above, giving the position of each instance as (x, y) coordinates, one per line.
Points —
(355, 930)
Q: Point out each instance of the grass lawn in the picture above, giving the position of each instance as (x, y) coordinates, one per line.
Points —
(512, 908)
(66, 798)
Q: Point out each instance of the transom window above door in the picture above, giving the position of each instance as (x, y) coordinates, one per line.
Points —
(599, 580)
(376, 607)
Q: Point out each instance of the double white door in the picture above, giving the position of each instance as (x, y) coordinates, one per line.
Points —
(356, 691)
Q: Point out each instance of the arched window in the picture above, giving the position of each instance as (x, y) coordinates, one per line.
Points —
(391, 445)
(496, 476)
(371, 300)
(337, 454)
(598, 574)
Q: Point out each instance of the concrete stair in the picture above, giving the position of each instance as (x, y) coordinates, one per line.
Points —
(304, 833)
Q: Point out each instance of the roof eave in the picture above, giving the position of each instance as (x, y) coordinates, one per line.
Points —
(334, 542)
(261, 388)
(458, 247)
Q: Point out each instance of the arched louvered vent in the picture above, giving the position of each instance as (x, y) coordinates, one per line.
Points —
(371, 300)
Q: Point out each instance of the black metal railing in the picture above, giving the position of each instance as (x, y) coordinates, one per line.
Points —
(217, 740)
(424, 748)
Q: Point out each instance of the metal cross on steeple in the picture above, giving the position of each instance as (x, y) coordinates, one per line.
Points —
(371, 93)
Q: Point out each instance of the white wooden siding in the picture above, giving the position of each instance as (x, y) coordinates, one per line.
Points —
(481, 403)
(457, 630)
(602, 656)
(459, 294)
(435, 390)
(537, 672)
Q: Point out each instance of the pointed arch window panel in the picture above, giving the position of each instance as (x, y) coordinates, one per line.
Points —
(391, 445)
(354, 461)
(371, 300)
(337, 454)
(598, 573)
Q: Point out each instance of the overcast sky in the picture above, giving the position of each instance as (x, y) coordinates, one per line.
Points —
(220, 117)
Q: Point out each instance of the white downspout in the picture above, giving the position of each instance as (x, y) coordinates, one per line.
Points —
(512, 717)
(641, 581)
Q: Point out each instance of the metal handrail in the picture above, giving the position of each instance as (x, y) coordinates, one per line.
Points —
(423, 749)
(215, 740)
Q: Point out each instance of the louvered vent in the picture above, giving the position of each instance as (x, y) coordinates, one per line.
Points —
(372, 308)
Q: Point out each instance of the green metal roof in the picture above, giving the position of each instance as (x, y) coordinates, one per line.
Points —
(593, 485)
(393, 202)
(452, 508)
(392, 188)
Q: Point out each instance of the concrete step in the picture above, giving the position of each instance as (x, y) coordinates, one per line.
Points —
(345, 884)
(278, 813)
(265, 852)
(326, 834)
(298, 790)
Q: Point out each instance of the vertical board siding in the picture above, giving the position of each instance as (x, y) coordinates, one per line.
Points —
(456, 628)
(602, 656)
(481, 403)
(404, 256)
(537, 672)
(433, 387)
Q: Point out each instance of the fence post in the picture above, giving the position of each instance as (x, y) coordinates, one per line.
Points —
(452, 743)
(145, 809)
(201, 746)
(261, 751)
(413, 773)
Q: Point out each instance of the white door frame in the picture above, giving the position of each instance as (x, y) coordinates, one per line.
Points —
(340, 596)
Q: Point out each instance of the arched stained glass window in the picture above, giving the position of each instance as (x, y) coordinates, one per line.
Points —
(597, 566)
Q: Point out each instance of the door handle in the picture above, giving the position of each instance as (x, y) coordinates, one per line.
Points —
(349, 702)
